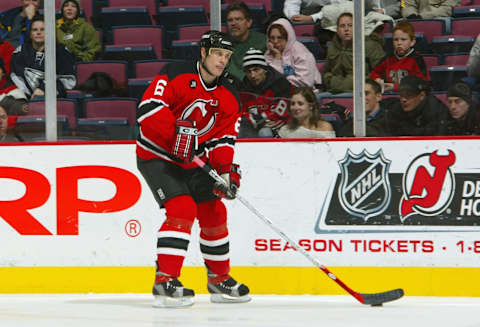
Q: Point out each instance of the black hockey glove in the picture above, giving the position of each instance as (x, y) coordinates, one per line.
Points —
(231, 174)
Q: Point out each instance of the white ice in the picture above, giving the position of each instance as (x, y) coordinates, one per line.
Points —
(129, 310)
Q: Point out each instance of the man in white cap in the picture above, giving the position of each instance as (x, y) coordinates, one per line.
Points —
(264, 97)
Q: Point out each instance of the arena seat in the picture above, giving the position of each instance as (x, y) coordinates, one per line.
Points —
(111, 108)
(117, 69)
(104, 128)
(65, 107)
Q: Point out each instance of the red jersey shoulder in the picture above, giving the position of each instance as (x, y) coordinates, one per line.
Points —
(166, 79)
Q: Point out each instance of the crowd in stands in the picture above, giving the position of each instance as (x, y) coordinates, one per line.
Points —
(291, 83)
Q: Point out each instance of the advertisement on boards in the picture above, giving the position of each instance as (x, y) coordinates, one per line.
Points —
(370, 203)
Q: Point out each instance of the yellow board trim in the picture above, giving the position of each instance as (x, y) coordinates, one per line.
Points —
(416, 281)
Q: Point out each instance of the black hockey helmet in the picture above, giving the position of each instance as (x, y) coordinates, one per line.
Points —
(216, 39)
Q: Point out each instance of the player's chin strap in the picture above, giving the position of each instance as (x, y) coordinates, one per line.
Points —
(374, 299)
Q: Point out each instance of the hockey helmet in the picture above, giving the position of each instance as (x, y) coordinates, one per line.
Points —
(216, 39)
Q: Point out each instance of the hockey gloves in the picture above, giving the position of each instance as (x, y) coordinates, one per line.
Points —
(231, 174)
(185, 143)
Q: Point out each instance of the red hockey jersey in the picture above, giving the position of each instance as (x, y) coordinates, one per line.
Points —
(178, 92)
(392, 69)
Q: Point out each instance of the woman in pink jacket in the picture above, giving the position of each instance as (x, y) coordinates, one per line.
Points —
(289, 56)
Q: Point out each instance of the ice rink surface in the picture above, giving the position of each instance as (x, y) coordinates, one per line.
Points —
(114, 310)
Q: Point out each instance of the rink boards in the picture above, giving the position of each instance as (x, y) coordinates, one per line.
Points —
(380, 213)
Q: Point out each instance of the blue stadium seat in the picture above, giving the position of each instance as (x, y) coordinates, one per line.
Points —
(129, 52)
(465, 11)
(113, 16)
(451, 43)
(33, 126)
(104, 128)
(172, 16)
(312, 45)
(186, 49)
(137, 86)
(444, 76)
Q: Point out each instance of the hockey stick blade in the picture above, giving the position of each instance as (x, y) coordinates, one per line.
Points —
(374, 299)
(382, 297)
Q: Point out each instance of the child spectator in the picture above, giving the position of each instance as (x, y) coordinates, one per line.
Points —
(290, 57)
(403, 62)
(78, 35)
(306, 121)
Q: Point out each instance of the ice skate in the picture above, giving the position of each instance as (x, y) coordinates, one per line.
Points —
(172, 294)
(228, 291)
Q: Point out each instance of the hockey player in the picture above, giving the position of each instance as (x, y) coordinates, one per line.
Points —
(190, 109)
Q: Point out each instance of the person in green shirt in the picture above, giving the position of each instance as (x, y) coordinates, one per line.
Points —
(78, 35)
(239, 23)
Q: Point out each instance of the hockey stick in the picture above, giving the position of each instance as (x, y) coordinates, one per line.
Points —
(374, 299)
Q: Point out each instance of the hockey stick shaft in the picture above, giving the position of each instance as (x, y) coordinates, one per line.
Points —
(216, 177)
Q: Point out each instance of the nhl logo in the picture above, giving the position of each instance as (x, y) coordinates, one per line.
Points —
(193, 84)
(365, 186)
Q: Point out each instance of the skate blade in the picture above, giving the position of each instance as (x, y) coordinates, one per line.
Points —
(223, 298)
(169, 302)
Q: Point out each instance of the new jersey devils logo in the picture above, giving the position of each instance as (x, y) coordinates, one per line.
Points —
(365, 186)
(428, 185)
(203, 116)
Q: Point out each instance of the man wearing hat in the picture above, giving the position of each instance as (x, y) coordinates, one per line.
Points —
(465, 119)
(418, 113)
(264, 97)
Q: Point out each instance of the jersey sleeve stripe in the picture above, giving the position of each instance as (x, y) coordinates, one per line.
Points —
(149, 108)
(227, 140)
(150, 146)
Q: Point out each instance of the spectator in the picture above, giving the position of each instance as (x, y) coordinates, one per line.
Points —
(338, 70)
(391, 8)
(15, 23)
(264, 97)
(7, 134)
(78, 35)
(425, 9)
(306, 121)
(6, 52)
(28, 64)
(465, 117)
(418, 113)
(306, 11)
(290, 57)
(473, 63)
(404, 60)
(374, 112)
(239, 23)
(17, 103)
